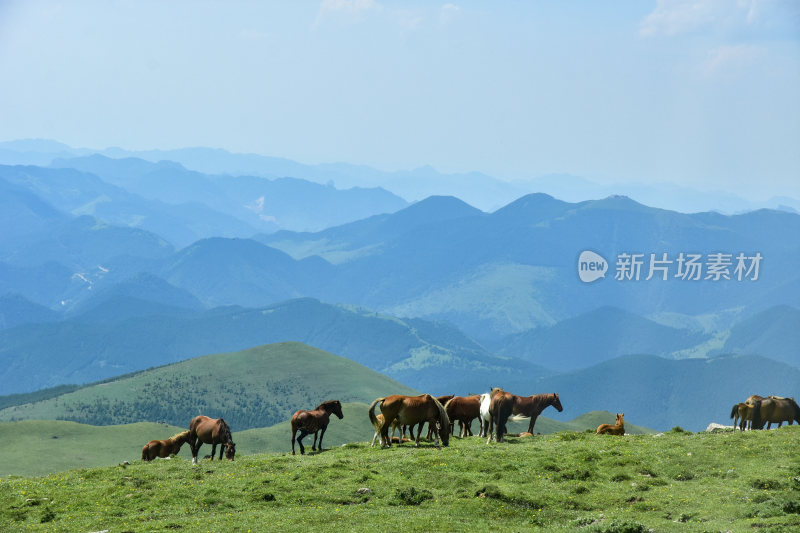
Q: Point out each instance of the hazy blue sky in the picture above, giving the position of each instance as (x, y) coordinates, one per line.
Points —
(698, 92)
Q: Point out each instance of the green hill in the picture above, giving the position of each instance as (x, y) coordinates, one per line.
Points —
(565, 482)
(258, 387)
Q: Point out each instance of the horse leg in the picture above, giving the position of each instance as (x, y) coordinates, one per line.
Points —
(321, 434)
(214, 450)
(489, 429)
(300, 438)
(314, 444)
(294, 432)
(222, 450)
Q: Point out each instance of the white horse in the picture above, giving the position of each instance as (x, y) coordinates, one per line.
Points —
(484, 419)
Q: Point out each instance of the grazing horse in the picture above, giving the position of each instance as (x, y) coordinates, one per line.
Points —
(213, 431)
(313, 421)
(411, 410)
(532, 406)
(500, 408)
(608, 429)
(164, 448)
(463, 409)
(741, 413)
(774, 409)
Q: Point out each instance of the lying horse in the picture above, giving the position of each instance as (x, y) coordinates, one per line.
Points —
(608, 429)
(741, 413)
(532, 406)
(164, 448)
(411, 410)
(213, 431)
(314, 421)
(774, 409)
(463, 409)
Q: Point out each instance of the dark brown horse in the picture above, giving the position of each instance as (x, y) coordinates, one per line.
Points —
(501, 406)
(442, 400)
(774, 409)
(164, 448)
(463, 409)
(609, 429)
(313, 421)
(411, 410)
(213, 431)
(532, 406)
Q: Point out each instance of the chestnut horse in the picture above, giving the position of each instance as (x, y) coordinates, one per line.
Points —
(741, 414)
(463, 409)
(379, 424)
(164, 448)
(411, 410)
(774, 409)
(313, 421)
(213, 431)
(608, 429)
(532, 406)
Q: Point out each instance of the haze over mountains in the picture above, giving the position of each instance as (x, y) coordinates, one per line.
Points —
(110, 266)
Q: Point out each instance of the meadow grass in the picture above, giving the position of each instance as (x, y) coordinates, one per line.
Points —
(574, 481)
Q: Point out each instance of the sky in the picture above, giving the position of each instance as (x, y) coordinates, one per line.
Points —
(700, 93)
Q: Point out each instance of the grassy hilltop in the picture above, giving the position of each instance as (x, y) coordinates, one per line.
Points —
(566, 481)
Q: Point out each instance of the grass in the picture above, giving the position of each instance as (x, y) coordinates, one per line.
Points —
(572, 481)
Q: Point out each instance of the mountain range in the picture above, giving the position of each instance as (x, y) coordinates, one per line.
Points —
(110, 266)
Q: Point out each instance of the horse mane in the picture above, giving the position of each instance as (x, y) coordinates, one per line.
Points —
(444, 420)
(323, 405)
(226, 430)
(183, 435)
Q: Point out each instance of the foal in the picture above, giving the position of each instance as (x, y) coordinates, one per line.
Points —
(608, 429)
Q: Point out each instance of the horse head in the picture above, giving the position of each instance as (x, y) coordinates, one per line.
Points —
(230, 450)
(337, 409)
(556, 402)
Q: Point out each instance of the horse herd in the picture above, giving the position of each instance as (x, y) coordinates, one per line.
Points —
(403, 413)
(757, 410)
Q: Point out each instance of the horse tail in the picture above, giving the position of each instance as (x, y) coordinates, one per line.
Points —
(755, 415)
(372, 418)
(735, 410)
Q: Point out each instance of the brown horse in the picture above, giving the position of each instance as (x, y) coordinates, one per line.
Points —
(463, 409)
(741, 414)
(608, 429)
(164, 448)
(411, 410)
(500, 408)
(313, 421)
(442, 400)
(532, 406)
(379, 424)
(213, 431)
(774, 409)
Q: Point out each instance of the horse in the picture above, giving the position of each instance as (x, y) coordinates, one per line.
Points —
(379, 424)
(752, 399)
(608, 429)
(314, 421)
(741, 413)
(774, 409)
(411, 410)
(484, 419)
(164, 448)
(213, 431)
(463, 409)
(500, 409)
(532, 406)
